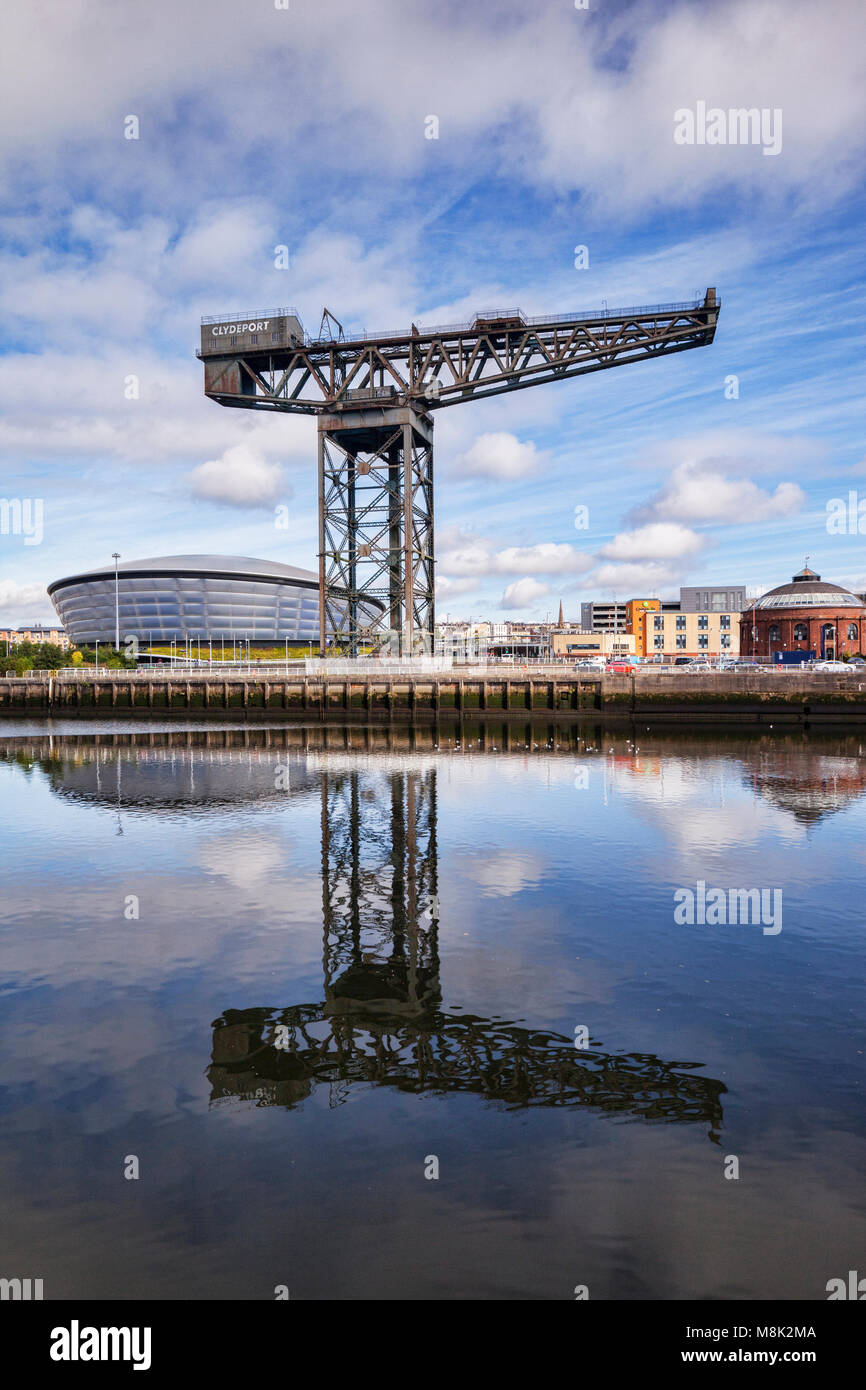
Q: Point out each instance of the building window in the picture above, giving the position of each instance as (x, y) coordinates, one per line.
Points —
(658, 623)
(852, 632)
(773, 633)
(659, 644)
(681, 641)
(254, 337)
(801, 632)
(681, 622)
(703, 622)
(726, 639)
(703, 640)
(725, 621)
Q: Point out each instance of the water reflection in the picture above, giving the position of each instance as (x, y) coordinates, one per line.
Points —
(177, 776)
(442, 1053)
(805, 784)
(381, 1020)
(316, 904)
(808, 775)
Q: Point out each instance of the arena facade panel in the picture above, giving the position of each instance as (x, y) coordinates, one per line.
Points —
(197, 596)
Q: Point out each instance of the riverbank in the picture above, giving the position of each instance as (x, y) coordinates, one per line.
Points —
(757, 697)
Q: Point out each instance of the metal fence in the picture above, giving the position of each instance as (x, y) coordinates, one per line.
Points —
(378, 666)
(444, 329)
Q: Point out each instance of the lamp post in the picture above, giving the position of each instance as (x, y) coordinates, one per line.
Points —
(115, 555)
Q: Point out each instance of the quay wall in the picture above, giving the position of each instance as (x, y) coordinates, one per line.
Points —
(761, 697)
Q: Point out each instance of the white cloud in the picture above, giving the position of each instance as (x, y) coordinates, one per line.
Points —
(546, 558)
(240, 478)
(573, 104)
(659, 540)
(698, 492)
(523, 593)
(633, 580)
(453, 588)
(475, 557)
(500, 455)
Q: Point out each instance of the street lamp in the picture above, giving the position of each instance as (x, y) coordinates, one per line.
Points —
(115, 554)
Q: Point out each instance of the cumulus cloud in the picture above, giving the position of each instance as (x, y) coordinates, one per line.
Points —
(500, 455)
(240, 478)
(523, 593)
(659, 540)
(453, 588)
(634, 580)
(547, 558)
(476, 557)
(699, 492)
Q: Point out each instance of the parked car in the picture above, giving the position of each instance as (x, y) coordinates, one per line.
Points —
(842, 668)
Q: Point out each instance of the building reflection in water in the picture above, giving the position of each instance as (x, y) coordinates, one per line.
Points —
(806, 785)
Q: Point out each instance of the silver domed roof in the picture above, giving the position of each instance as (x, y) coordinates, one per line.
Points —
(807, 590)
(196, 564)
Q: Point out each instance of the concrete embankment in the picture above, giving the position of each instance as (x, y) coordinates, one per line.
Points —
(759, 697)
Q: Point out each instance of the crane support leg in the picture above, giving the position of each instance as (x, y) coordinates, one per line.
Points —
(376, 530)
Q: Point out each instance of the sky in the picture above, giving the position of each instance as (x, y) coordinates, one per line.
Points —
(307, 126)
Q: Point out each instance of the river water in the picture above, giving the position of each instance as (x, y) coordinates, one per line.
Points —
(351, 1014)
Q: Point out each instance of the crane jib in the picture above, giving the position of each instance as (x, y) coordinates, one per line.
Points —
(374, 396)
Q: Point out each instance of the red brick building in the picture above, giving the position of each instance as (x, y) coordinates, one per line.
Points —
(806, 615)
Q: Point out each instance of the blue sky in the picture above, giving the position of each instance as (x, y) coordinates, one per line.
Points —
(306, 128)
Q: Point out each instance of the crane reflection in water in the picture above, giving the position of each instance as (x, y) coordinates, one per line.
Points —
(382, 1023)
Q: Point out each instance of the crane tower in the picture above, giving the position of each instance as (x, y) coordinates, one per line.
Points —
(374, 396)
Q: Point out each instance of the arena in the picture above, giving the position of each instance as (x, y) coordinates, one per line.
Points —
(190, 596)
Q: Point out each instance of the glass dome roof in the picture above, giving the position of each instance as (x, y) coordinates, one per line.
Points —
(807, 590)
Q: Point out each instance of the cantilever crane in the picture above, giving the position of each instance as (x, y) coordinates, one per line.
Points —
(374, 396)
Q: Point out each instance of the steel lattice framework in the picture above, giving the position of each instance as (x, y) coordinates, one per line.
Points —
(374, 396)
(382, 1022)
(376, 528)
(379, 901)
